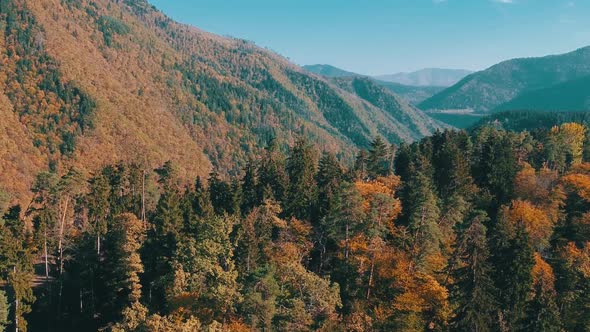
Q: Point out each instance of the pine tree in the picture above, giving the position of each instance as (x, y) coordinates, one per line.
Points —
(512, 258)
(249, 191)
(302, 190)
(423, 214)
(98, 207)
(4, 308)
(328, 180)
(123, 262)
(271, 174)
(378, 160)
(473, 291)
(220, 194)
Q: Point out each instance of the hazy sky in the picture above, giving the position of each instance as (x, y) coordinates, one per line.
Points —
(387, 36)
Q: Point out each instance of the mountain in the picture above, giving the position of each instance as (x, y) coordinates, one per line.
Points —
(486, 90)
(88, 83)
(328, 71)
(572, 95)
(413, 94)
(531, 120)
(427, 77)
(411, 119)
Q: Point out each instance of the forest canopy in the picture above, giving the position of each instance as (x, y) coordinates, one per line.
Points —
(481, 231)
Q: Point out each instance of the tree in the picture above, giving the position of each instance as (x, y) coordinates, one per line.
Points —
(16, 266)
(378, 161)
(203, 276)
(423, 214)
(271, 174)
(249, 191)
(123, 261)
(98, 206)
(512, 258)
(302, 190)
(473, 290)
(4, 308)
(543, 313)
(220, 194)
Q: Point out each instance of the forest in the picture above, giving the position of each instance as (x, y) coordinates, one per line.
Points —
(487, 230)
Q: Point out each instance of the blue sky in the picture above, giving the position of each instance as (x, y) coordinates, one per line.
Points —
(387, 36)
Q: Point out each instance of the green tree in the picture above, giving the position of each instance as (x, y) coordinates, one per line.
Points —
(271, 174)
(378, 161)
(4, 308)
(473, 291)
(302, 191)
(123, 262)
(512, 258)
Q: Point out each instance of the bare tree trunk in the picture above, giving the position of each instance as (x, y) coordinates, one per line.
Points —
(143, 200)
(371, 277)
(15, 305)
(61, 235)
(98, 245)
(347, 244)
(45, 253)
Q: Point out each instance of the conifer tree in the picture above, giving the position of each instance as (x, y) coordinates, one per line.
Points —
(512, 258)
(271, 174)
(473, 291)
(123, 262)
(378, 159)
(249, 191)
(302, 190)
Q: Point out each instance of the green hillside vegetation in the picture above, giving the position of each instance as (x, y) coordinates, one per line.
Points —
(572, 95)
(486, 90)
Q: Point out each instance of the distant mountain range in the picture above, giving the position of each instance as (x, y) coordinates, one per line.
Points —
(329, 71)
(427, 77)
(556, 82)
(413, 94)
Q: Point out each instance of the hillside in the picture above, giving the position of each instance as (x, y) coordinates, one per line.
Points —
(427, 77)
(413, 94)
(328, 71)
(484, 91)
(531, 120)
(87, 83)
(572, 95)
(380, 97)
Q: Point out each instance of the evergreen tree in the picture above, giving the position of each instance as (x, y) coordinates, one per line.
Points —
(378, 162)
(220, 194)
(271, 174)
(328, 180)
(4, 308)
(123, 263)
(512, 257)
(249, 191)
(98, 207)
(301, 194)
(473, 291)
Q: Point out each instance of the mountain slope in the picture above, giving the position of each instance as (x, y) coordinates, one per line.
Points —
(411, 119)
(328, 71)
(413, 94)
(483, 91)
(88, 83)
(572, 95)
(427, 77)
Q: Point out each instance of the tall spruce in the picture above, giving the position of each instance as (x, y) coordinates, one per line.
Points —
(302, 190)
(473, 291)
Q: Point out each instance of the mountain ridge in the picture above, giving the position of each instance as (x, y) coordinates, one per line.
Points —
(485, 90)
(118, 80)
